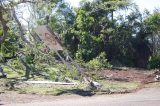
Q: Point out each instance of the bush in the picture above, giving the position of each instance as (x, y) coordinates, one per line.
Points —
(53, 73)
(63, 71)
(15, 63)
(99, 62)
(154, 62)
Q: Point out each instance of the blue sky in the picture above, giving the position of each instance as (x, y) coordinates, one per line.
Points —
(143, 4)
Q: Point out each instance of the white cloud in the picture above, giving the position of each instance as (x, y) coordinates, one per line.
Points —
(74, 3)
(143, 4)
(148, 4)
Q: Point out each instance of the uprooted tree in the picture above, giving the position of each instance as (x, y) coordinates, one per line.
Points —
(19, 43)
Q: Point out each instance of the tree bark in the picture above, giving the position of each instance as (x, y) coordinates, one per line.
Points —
(27, 70)
(4, 26)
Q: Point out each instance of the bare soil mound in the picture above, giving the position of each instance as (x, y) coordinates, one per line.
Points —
(142, 76)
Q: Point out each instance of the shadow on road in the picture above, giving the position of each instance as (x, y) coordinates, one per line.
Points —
(1, 103)
(76, 91)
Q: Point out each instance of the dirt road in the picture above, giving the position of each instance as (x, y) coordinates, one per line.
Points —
(144, 97)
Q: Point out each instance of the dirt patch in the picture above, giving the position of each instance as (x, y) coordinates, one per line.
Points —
(128, 75)
(11, 97)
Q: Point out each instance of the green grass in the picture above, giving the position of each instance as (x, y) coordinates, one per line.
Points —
(129, 85)
(155, 84)
(13, 73)
(118, 87)
(107, 86)
(46, 88)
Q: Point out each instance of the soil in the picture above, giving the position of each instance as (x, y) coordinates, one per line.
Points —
(11, 97)
(142, 76)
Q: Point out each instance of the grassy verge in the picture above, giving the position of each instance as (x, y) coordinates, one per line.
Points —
(155, 84)
(108, 87)
(79, 89)
(118, 87)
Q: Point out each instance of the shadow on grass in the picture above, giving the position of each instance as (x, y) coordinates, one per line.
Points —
(121, 79)
(80, 92)
(3, 77)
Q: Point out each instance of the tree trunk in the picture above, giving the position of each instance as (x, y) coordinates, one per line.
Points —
(4, 26)
(27, 70)
(112, 16)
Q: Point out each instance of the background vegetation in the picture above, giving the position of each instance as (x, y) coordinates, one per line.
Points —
(99, 34)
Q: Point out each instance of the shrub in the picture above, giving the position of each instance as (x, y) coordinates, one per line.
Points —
(15, 63)
(99, 62)
(154, 62)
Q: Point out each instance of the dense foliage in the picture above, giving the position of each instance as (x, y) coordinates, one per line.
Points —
(101, 34)
(128, 39)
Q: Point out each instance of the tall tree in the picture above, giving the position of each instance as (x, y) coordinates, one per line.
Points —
(94, 24)
(153, 25)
